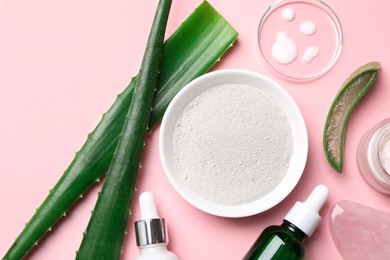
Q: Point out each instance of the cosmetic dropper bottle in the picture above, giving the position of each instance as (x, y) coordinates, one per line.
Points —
(150, 232)
(285, 242)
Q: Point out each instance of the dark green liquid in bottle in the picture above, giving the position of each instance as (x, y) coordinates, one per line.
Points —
(282, 242)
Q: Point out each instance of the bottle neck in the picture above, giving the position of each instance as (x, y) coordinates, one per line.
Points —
(161, 247)
(294, 231)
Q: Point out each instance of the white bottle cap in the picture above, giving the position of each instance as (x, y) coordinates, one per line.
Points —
(151, 229)
(305, 216)
(148, 206)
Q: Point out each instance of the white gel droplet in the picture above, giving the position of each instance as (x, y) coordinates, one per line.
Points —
(309, 54)
(284, 50)
(308, 28)
(288, 14)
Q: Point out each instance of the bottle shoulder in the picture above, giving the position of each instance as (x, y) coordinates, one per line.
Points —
(284, 235)
(276, 243)
(282, 231)
(157, 256)
(156, 253)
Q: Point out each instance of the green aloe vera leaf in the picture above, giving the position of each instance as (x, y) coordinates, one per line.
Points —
(107, 226)
(95, 156)
(85, 169)
(352, 91)
(203, 33)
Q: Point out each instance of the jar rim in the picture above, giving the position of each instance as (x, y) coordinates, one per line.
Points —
(381, 131)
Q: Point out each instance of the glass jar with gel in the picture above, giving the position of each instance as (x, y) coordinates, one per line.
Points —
(373, 156)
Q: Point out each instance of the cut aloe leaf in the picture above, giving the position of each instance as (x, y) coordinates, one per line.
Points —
(176, 70)
(353, 90)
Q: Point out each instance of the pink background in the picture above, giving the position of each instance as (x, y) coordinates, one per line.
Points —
(62, 64)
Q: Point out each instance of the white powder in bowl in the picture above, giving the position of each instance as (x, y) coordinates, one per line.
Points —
(232, 144)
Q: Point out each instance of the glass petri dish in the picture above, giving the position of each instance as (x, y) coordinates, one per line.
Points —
(327, 38)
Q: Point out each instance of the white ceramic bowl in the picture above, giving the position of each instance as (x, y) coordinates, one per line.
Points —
(299, 136)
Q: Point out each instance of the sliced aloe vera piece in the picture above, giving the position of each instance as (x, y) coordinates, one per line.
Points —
(179, 65)
(353, 90)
